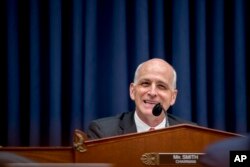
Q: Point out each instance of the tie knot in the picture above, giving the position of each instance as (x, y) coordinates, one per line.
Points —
(151, 129)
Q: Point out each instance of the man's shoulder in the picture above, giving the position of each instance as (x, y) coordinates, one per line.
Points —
(113, 119)
(175, 120)
(110, 126)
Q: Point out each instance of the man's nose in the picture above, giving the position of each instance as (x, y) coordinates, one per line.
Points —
(152, 90)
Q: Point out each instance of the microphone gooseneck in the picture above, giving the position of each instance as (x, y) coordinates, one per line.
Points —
(157, 109)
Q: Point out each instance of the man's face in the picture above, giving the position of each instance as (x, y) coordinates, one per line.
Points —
(154, 84)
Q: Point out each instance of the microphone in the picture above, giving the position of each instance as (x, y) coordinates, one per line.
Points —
(157, 109)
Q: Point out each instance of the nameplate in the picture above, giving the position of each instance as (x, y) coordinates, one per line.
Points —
(171, 158)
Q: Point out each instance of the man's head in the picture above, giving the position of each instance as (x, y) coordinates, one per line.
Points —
(154, 82)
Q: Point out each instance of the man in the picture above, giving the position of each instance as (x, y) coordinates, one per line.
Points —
(154, 82)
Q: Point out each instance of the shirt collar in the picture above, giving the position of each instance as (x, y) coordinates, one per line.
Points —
(142, 126)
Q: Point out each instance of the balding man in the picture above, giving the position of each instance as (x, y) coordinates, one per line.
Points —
(154, 83)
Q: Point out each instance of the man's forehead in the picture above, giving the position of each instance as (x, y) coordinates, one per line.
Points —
(156, 67)
(154, 78)
(162, 72)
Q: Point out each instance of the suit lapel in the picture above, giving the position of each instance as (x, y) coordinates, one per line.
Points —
(127, 123)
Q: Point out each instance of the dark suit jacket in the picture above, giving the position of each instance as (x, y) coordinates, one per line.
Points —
(218, 154)
(121, 124)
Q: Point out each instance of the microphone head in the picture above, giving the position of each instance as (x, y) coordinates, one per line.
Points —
(157, 109)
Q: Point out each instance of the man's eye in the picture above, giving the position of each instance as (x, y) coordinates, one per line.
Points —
(163, 87)
(144, 83)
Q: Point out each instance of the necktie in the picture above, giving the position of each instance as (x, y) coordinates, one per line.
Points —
(151, 129)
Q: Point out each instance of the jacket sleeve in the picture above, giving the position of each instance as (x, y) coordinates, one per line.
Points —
(94, 131)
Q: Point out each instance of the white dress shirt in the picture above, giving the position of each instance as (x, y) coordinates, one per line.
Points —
(142, 127)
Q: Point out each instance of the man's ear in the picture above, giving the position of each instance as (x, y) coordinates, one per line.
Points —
(173, 97)
(131, 91)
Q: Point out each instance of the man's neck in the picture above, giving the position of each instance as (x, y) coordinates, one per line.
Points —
(152, 121)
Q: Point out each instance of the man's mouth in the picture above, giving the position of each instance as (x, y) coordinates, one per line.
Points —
(150, 102)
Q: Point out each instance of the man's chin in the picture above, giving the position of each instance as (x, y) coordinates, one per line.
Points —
(148, 112)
